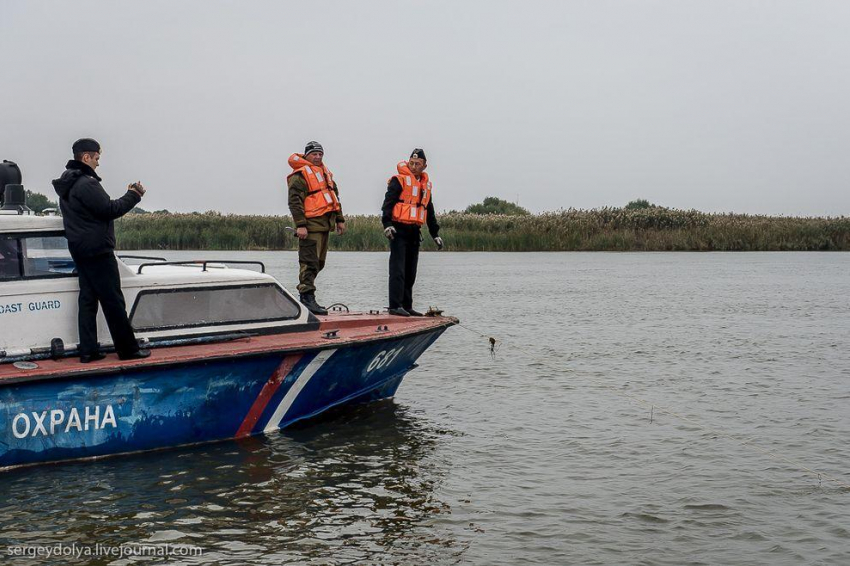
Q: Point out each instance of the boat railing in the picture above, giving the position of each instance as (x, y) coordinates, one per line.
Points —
(202, 262)
(147, 257)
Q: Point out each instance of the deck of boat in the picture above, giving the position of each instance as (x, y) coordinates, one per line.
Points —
(350, 327)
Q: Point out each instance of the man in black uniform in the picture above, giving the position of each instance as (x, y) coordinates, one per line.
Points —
(88, 214)
(407, 206)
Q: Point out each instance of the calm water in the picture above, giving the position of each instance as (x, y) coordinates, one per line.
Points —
(543, 454)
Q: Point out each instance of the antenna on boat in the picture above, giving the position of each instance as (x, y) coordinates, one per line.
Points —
(13, 197)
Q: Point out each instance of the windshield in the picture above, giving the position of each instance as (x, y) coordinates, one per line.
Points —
(210, 306)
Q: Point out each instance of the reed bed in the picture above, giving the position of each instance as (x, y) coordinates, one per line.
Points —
(605, 229)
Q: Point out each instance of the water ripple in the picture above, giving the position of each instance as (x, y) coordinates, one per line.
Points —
(542, 454)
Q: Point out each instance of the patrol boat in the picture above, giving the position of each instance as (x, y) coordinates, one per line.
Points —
(233, 353)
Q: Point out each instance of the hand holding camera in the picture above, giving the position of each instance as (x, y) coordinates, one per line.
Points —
(137, 188)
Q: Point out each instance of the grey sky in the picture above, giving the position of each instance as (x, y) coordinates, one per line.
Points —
(717, 105)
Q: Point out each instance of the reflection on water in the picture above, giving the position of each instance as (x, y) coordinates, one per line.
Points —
(355, 485)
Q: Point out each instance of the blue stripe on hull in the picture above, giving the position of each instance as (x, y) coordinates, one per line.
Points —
(163, 407)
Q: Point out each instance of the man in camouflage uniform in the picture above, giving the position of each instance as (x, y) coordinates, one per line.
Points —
(316, 211)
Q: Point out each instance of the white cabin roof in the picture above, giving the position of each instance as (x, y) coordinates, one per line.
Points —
(174, 275)
(29, 223)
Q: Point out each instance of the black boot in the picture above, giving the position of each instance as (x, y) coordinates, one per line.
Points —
(309, 301)
(137, 355)
(398, 312)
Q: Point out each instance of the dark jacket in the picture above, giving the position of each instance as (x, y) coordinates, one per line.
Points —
(297, 193)
(393, 196)
(87, 211)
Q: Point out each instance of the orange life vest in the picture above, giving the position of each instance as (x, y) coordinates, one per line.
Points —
(412, 206)
(321, 199)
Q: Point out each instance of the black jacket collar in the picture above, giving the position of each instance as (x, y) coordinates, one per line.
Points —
(83, 168)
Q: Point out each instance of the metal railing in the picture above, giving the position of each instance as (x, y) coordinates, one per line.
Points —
(148, 257)
(203, 263)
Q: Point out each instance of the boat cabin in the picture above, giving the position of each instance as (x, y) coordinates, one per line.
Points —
(168, 302)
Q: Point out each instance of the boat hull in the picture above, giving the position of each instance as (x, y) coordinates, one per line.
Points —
(195, 401)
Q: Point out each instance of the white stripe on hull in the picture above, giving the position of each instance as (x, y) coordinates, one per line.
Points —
(300, 383)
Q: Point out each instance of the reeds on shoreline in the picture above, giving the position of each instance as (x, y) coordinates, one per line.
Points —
(605, 229)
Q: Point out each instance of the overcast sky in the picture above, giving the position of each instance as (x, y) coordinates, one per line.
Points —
(716, 105)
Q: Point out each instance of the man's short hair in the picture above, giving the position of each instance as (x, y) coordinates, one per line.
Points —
(83, 146)
(79, 156)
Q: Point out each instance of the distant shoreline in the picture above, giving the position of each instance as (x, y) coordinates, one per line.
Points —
(607, 229)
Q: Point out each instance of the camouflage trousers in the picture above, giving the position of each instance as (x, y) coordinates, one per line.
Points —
(312, 252)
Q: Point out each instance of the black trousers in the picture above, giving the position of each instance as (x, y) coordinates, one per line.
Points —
(100, 282)
(404, 258)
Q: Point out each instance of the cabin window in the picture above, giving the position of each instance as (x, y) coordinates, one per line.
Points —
(46, 256)
(10, 258)
(35, 256)
(210, 306)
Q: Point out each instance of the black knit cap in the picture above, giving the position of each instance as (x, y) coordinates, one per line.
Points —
(85, 145)
(419, 154)
(313, 147)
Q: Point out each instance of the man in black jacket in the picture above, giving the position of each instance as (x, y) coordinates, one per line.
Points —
(405, 209)
(88, 214)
